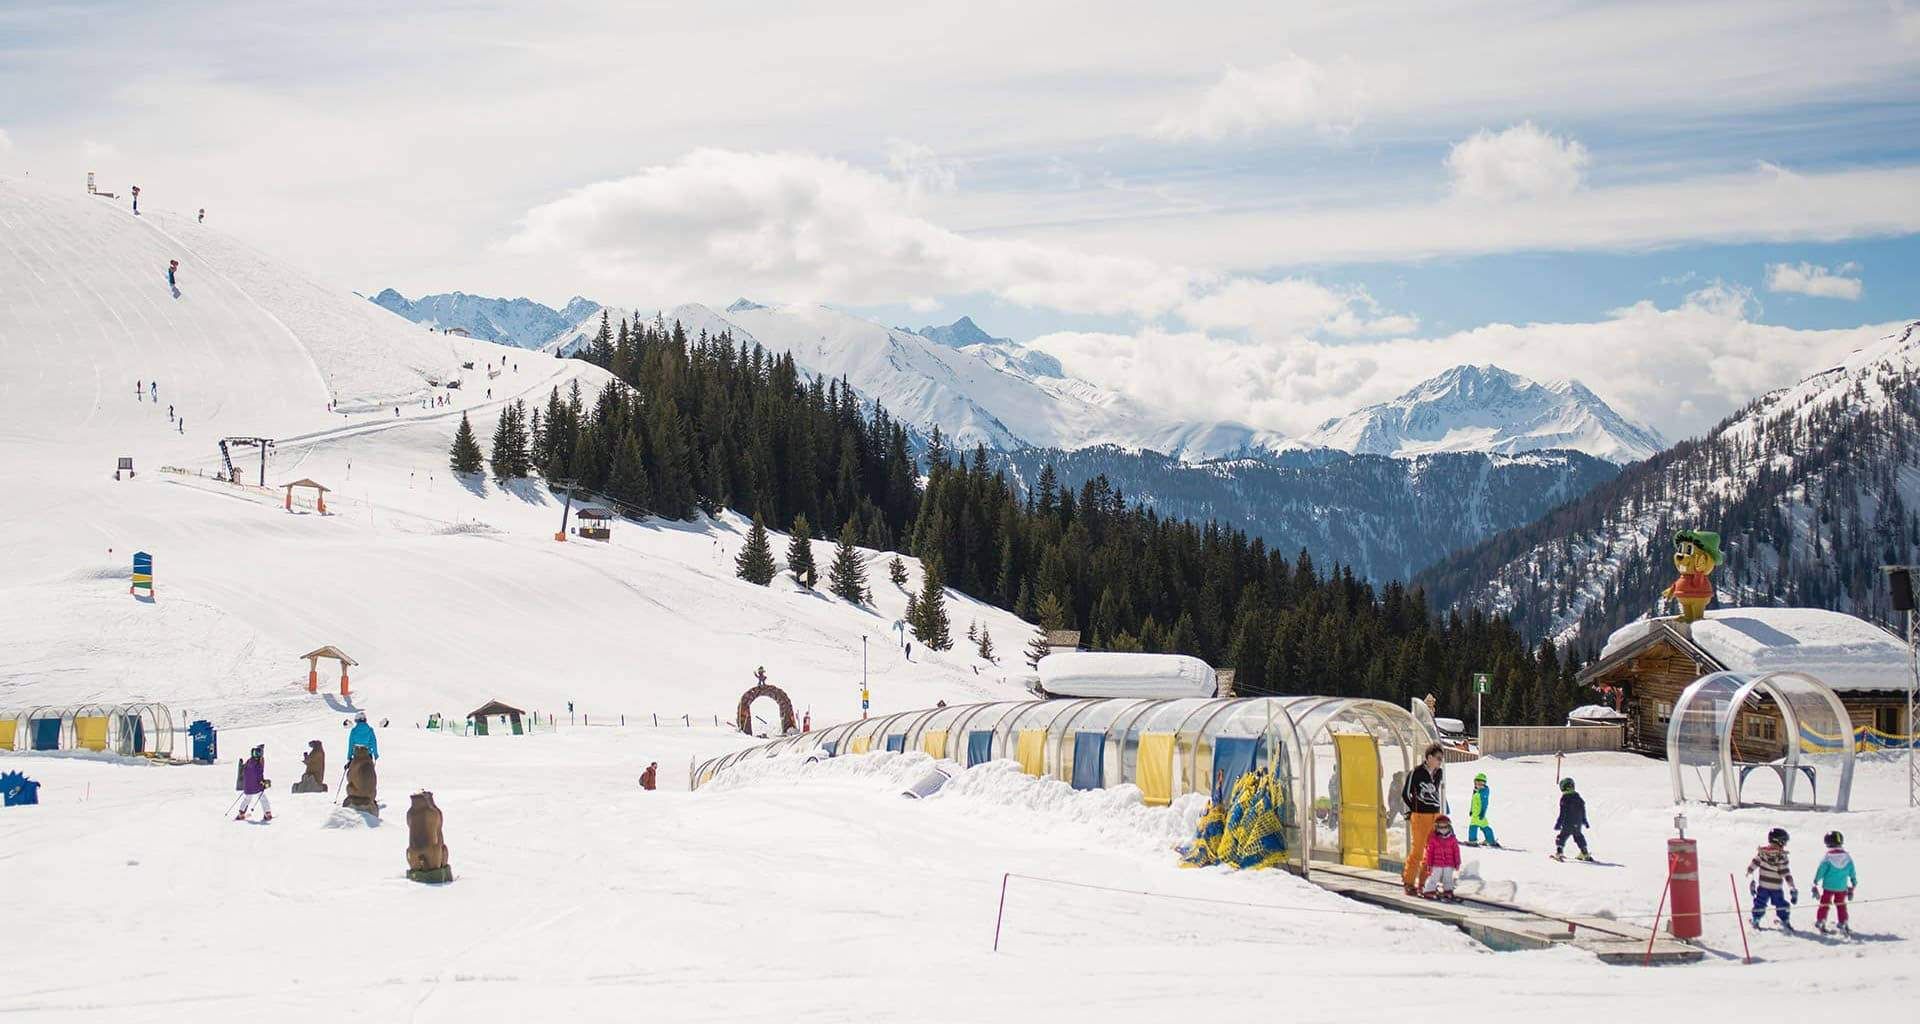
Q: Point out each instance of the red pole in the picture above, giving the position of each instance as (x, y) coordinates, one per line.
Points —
(998, 917)
(1655, 933)
(1738, 911)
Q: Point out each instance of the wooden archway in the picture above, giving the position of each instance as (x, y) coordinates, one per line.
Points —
(744, 719)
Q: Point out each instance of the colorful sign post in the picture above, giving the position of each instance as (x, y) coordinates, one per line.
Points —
(1482, 685)
(142, 574)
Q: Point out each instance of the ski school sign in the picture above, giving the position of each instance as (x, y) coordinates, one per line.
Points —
(142, 573)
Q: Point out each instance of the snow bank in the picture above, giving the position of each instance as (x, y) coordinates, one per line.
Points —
(1108, 674)
(1844, 651)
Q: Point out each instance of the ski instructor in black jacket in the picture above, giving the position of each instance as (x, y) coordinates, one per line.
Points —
(1425, 795)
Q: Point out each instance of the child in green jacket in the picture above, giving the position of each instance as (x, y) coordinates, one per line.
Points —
(1477, 813)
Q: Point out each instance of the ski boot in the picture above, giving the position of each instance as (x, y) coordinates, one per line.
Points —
(1557, 855)
(1449, 897)
(1822, 928)
(242, 816)
(268, 817)
(1846, 929)
(1585, 856)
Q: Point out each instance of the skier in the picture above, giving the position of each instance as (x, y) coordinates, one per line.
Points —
(1834, 881)
(202, 219)
(254, 783)
(650, 777)
(362, 736)
(1770, 864)
(1426, 787)
(136, 200)
(169, 412)
(153, 390)
(1573, 818)
(139, 389)
(1477, 813)
(181, 423)
(1443, 861)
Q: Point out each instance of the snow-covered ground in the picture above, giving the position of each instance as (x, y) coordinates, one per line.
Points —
(787, 893)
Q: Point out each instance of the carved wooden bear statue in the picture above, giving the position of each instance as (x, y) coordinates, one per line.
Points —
(314, 780)
(363, 783)
(426, 845)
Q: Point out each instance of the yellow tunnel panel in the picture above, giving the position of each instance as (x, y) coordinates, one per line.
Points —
(1155, 776)
(6, 734)
(935, 743)
(1358, 756)
(1031, 750)
(90, 732)
(860, 744)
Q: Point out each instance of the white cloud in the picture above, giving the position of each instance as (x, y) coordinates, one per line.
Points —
(802, 227)
(920, 167)
(6, 141)
(1681, 368)
(1808, 279)
(1293, 92)
(1522, 162)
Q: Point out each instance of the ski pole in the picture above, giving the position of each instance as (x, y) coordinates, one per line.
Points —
(341, 787)
(235, 803)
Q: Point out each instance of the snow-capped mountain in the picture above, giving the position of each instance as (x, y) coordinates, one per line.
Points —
(1488, 409)
(520, 322)
(960, 334)
(993, 393)
(1812, 488)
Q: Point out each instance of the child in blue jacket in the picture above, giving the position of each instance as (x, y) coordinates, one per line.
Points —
(1834, 881)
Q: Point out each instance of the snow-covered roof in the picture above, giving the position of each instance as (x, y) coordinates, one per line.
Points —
(1844, 651)
(1116, 674)
(1594, 713)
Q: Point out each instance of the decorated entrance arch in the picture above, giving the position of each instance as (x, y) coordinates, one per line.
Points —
(744, 719)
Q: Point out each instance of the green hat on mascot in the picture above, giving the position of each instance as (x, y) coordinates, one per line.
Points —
(1704, 540)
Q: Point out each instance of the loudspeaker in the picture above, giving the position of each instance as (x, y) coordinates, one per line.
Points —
(1900, 581)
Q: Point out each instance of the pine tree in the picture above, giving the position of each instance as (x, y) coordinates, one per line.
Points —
(897, 572)
(755, 561)
(973, 631)
(986, 644)
(800, 554)
(931, 627)
(508, 452)
(847, 576)
(1037, 648)
(465, 456)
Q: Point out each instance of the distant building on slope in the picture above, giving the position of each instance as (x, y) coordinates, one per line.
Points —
(1648, 663)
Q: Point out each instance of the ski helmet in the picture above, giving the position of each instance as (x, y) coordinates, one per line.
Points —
(1777, 836)
(1834, 840)
(1566, 784)
(360, 716)
(1442, 820)
(1482, 777)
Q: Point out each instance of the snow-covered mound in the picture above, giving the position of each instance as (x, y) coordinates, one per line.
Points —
(1485, 408)
(1115, 674)
(1844, 651)
(448, 591)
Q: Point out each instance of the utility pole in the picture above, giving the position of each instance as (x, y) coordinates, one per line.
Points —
(865, 694)
(565, 510)
(1900, 588)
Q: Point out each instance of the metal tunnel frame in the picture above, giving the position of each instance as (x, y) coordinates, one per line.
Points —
(1701, 731)
(139, 729)
(1292, 735)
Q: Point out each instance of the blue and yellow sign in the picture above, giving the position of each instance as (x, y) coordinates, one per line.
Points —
(142, 573)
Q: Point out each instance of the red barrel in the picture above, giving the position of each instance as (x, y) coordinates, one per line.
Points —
(1683, 872)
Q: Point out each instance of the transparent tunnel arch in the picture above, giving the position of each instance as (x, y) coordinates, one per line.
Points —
(1713, 748)
(1338, 762)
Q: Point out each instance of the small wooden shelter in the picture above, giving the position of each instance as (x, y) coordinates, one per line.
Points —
(313, 666)
(319, 491)
(493, 708)
(595, 523)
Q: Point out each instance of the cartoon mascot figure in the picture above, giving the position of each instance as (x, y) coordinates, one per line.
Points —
(1696, 553)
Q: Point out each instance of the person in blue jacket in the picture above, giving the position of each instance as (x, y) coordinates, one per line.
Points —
(1477, 812)
(362, 736)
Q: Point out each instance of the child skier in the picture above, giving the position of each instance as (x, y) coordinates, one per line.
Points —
(1573, 818)
(1442, 860)
(1775, 877)
(173, 268)
(1477, 813)
(253, 783)
(1833, 882)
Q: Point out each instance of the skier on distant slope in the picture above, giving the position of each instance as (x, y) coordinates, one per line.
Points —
(362, 736)
(173, 268)
(136, 200)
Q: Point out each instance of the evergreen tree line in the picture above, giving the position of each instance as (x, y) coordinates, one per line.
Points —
(700, 424)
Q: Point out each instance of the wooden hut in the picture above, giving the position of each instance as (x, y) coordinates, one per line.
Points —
(595, 523)
(313, 667)
(1646, 664)
(495, 709)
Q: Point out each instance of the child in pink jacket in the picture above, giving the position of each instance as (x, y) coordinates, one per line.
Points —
(1443, 861)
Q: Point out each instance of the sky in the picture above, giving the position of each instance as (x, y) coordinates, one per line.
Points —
(1272, 213)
